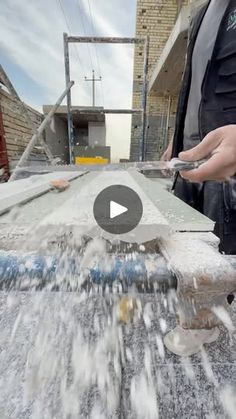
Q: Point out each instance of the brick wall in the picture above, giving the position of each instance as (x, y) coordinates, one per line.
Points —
(155, 18)
(17, 131)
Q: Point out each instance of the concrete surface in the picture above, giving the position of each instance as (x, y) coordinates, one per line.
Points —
(56, 135)
(63, 355)
(84, 190)
(97, 134)
(20, 191)
(167, 74)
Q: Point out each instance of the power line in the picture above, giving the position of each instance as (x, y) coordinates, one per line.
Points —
(89, 47)
(95, 46)
(93, 80)
(63, 12)
(82, 21)
(69, 30)
(93, 33)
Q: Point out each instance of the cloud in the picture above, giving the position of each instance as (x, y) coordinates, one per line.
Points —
(31, 37)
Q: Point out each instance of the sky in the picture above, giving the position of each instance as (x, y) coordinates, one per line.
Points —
(31, 51)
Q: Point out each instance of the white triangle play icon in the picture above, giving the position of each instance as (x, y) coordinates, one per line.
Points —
(116, 209)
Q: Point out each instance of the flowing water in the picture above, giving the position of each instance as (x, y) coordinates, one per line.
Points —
(65, 355)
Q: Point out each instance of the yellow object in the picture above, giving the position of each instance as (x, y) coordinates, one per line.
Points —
(91, 160)
(127, 308)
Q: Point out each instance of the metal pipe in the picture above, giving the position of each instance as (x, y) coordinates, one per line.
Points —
(104, 111)
(38, 133)
(111, 40)
(93, 90)
(69, 114)
(167, 122)
(146, 138)
(93, 80)
(144, 100)
(105, 40)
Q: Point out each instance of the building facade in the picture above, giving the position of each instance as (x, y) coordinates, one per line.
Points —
(16, 130)
(166, 22)
(89, 128)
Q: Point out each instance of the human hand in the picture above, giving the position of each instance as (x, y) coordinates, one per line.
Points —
(220, 146)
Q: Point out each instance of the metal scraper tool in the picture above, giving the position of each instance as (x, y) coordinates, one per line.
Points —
(181, 165)
(174, 165)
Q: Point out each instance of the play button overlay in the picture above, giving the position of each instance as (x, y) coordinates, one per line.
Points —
(118, 209)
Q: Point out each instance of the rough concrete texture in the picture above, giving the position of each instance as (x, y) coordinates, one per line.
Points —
(56, 135)
(63, 355)
(157, 20)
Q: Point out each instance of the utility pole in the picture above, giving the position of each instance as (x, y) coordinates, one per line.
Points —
(93, 80)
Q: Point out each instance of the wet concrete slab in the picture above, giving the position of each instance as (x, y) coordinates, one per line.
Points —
(64, 355)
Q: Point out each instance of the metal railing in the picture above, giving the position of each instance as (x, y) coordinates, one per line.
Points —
(39, 132)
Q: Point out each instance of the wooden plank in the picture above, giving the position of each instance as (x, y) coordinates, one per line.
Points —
(12, 121)
(16, 126)
(18, 136)
(14, 148)
(14, 108)
(16, 129)
(16, 114)
(6, 97)
(17, 141)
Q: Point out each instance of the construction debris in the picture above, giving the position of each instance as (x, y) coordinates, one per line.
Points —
(127, 309)
(60, 184)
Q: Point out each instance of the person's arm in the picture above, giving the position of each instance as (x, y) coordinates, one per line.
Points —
(220, 146)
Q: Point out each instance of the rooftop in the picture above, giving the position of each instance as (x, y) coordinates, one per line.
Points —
(80, 113)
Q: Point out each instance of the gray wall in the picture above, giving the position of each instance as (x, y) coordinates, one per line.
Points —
(157, 137)
(57, 138)
(97, 134)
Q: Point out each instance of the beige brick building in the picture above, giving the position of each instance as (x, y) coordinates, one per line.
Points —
(166, 22)
(16, 129)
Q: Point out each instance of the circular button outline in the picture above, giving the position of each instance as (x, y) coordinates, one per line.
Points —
(124, 196)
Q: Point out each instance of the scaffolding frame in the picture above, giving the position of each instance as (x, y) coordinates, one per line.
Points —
(143, 106)
(38, 133)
